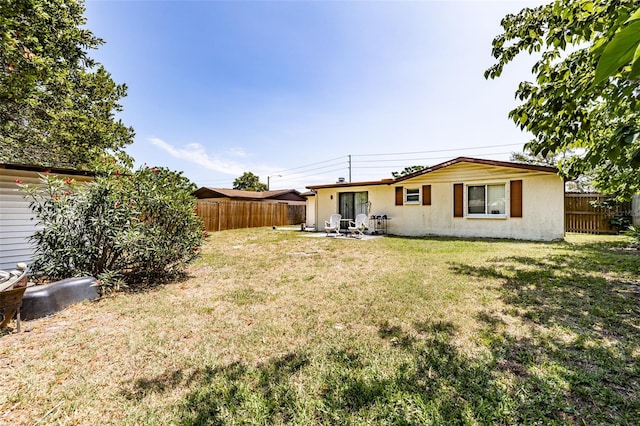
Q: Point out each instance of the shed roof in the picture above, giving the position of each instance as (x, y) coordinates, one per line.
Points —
(41, 169)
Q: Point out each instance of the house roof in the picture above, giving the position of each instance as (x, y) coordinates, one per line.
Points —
(282, 194)
(533, 167)
(40, 169)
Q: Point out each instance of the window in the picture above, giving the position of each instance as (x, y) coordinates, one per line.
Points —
(412, 195)
(486, 199)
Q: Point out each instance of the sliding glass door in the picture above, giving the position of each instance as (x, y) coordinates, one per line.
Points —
(352, 204)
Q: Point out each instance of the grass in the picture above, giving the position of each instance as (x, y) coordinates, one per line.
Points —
(276, 327)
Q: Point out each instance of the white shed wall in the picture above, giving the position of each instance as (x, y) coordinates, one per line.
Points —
(16, 226)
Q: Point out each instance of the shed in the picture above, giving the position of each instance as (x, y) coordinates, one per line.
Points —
(16, 224)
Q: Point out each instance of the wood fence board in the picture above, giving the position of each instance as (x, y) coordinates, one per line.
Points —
(223, 215)
(583, 217)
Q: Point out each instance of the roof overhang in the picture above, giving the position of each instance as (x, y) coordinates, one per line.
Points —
(40, 169)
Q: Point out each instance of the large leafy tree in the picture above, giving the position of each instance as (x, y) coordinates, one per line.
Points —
(568, 107)
(249, 182)
(57, 105)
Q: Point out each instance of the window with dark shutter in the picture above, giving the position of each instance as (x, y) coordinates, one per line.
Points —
(426, 195)
(399, 196)
(458, 200)
(516, 198)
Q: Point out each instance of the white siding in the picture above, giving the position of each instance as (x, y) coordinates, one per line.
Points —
(16, 226)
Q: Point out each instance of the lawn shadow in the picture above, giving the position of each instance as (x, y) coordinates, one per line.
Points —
(415, 376)
(146, 285)
(577, 362)
(582, 312)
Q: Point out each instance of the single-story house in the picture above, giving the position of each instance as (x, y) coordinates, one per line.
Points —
(463, 197)
(16, 226)
(289, 196)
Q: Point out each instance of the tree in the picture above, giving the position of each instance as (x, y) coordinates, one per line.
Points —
(57, 105)
(567, 108)
(581, 183)
(536, 159)
(249, 182)
(620, 51)
(407, 171)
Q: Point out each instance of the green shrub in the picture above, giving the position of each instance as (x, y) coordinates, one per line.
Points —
(634, 232)
(122, 228)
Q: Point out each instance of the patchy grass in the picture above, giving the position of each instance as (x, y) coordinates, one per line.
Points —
(275, 327)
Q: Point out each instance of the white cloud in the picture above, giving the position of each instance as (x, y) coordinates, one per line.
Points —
(197, 154)
(237, 152)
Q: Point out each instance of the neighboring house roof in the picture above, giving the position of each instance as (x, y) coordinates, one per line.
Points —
(545, 169)
(40, 169)
(283, 194)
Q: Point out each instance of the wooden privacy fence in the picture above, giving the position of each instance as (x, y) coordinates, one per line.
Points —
(582, 216)
(223, 215)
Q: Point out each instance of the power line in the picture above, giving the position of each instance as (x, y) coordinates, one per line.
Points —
(319, 168)
(345, 158)
(305, 171)
(312, 174)
(311, 164)
(439, 150)
(418, 159)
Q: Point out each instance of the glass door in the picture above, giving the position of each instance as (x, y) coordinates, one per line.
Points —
(352, 204)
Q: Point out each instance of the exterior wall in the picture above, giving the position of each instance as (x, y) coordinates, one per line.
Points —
(311, 220)
(16, 225)
(380, 199)
(542, 204)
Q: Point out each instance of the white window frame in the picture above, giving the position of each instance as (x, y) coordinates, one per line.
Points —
(415, 192)
(487, 214)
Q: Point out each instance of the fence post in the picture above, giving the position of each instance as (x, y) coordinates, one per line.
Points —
(635, 210)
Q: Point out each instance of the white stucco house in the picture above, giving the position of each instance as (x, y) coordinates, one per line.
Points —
(16, 225)
(463, 197)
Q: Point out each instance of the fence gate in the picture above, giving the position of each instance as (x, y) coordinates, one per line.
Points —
(582, 216)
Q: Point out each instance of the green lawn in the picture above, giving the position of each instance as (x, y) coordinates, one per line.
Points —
(277, 327)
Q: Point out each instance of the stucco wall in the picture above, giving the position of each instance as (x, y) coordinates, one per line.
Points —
(16, 225)
(542, 205)
(311, 220)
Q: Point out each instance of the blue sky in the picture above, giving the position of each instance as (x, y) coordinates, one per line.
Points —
(291, 89)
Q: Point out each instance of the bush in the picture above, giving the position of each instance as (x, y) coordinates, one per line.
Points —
(122, 227)
(634, 233)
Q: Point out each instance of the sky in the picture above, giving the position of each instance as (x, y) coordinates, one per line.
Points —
(306, 92)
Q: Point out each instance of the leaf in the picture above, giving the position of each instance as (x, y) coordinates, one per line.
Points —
(618, 51)
(635, 16)
(635, 64)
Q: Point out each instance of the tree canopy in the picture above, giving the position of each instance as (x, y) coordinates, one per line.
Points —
(57, 105)
(407, 171)
(249, 182)
(584, 98)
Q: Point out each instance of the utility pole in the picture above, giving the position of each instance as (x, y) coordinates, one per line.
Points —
(349, 168)
(269, 178)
